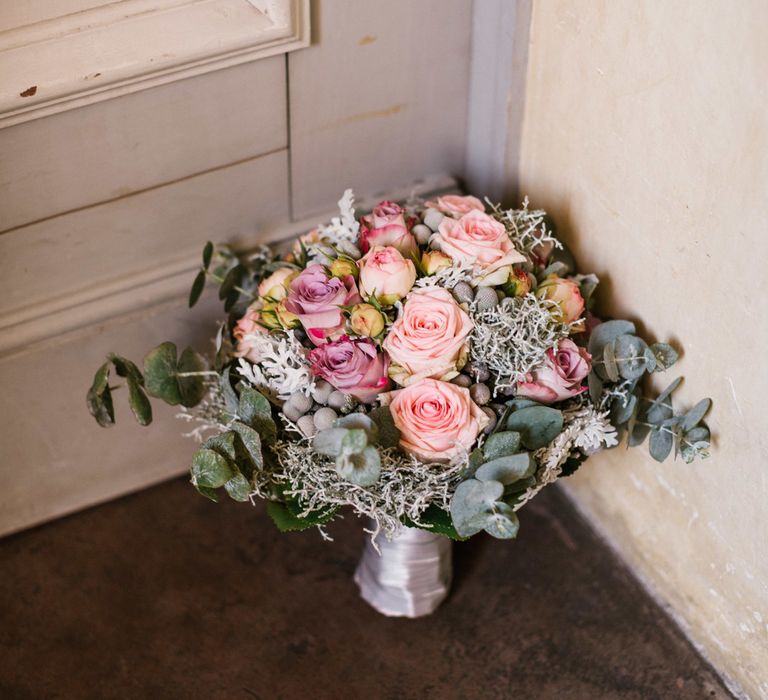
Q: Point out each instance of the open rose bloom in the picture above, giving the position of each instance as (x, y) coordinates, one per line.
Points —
(429, 363)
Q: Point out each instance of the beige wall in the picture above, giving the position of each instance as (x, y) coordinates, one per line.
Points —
(104, 210)
(646, 135)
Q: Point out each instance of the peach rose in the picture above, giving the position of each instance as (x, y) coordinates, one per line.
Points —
(246, 331)
(430, 338)
(456, 205)
(479, 240)
(276, 285)
(386, 274)
(565, 294)
(438, 421)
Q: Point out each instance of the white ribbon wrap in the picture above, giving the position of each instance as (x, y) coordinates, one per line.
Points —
(411, 576)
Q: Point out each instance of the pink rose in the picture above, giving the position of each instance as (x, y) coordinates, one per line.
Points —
(353, 367)
(317, 299)
(438, 421)
(565, 294)
(386, 226)
(275, 286)
(479, 240)
(386, 274)
(430, 338)
(245, 333)
(560, 376)
(456, 205)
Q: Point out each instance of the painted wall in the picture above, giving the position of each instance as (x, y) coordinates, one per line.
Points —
(104, 211)
(646, 135)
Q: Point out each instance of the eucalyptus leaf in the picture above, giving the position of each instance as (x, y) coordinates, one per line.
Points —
(230, 282)
(207, 492)
(537, 425)
(607, 332)
(595, 384)
(503, 524)
(501, 444)
(472, 501)
(101, 379)
(197, 288)
(361, 468)
(231, 400)
(223, 444)
(207, 254)
(609, 363)
(255, 410)
(100, 407)
(138, 402)
(328, 442)
(665, 354)
(251, 443)
(191, 388)
(160, 374)
(658, 413)
(435, 519)
(126, 368)
(630, 358)
(507, 470)
(354, 441)
(210, 469)
(238, 488)
(359, 421)
(692, 418)
(660, 444)
(622, 411)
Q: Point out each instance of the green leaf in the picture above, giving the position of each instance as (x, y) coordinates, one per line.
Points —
(665, 354)
(126, 368)
(232, 280)
(630, 358)
(207, 492)
(238, 488)
(314, 517)
(197, 288)
(252, 445)
(207, 254)
(354, 441)
(138, 402)
(255, 410)
(471, 503)
(501, 444)
(101, 379)
(100, 407)
(609, 363)
(503, 523)
(389, 435)
(231, 401)
(191, 389)
(537, 425)
(160, 373)
(361, 468)
(692, 418)
(435, 519)
(285, 520)
(621, 412)
(223, 444)
(210, 469)
(507, 470)
(660, 444)
(606, 333)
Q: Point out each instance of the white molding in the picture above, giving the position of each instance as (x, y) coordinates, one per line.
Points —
(123, 47)
(499, 61)
(29, 328)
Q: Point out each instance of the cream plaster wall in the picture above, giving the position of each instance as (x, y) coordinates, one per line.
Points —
(646, 135)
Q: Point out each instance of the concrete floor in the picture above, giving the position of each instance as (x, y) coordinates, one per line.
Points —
(165, 595)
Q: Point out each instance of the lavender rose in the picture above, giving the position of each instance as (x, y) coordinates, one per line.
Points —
(353, 367)
(561, 375)
(317, 299)
(386, 226)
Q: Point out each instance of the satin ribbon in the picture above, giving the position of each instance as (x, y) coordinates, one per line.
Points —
(411, 576)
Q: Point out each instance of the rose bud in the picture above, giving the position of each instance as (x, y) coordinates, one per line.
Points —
(386, 274)
(434, 260)
(275, 287)
(518, 284)
(565, 294)
(366, 320)
(341, 267)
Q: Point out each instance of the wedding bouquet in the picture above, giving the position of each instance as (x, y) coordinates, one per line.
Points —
(431, 365)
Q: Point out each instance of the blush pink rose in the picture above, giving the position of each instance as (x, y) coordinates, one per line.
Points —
(275, 286)
(317, 299)
(480, 240)
(456, 205)
(430, 338)
(565, 294)
(386, 274)
(560, 377)
(438, 421)
(386, 226)
(353, 367)
(246, 332)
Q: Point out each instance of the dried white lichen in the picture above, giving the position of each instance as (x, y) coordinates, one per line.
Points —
(405, 489)
(448, 277)
(282, 369)
(526, 227)
(512, 339)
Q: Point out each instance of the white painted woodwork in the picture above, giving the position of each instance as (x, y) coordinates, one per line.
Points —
(113, 248)
(117, 147)
(14, 14)
(380, 98)
(114, 49)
